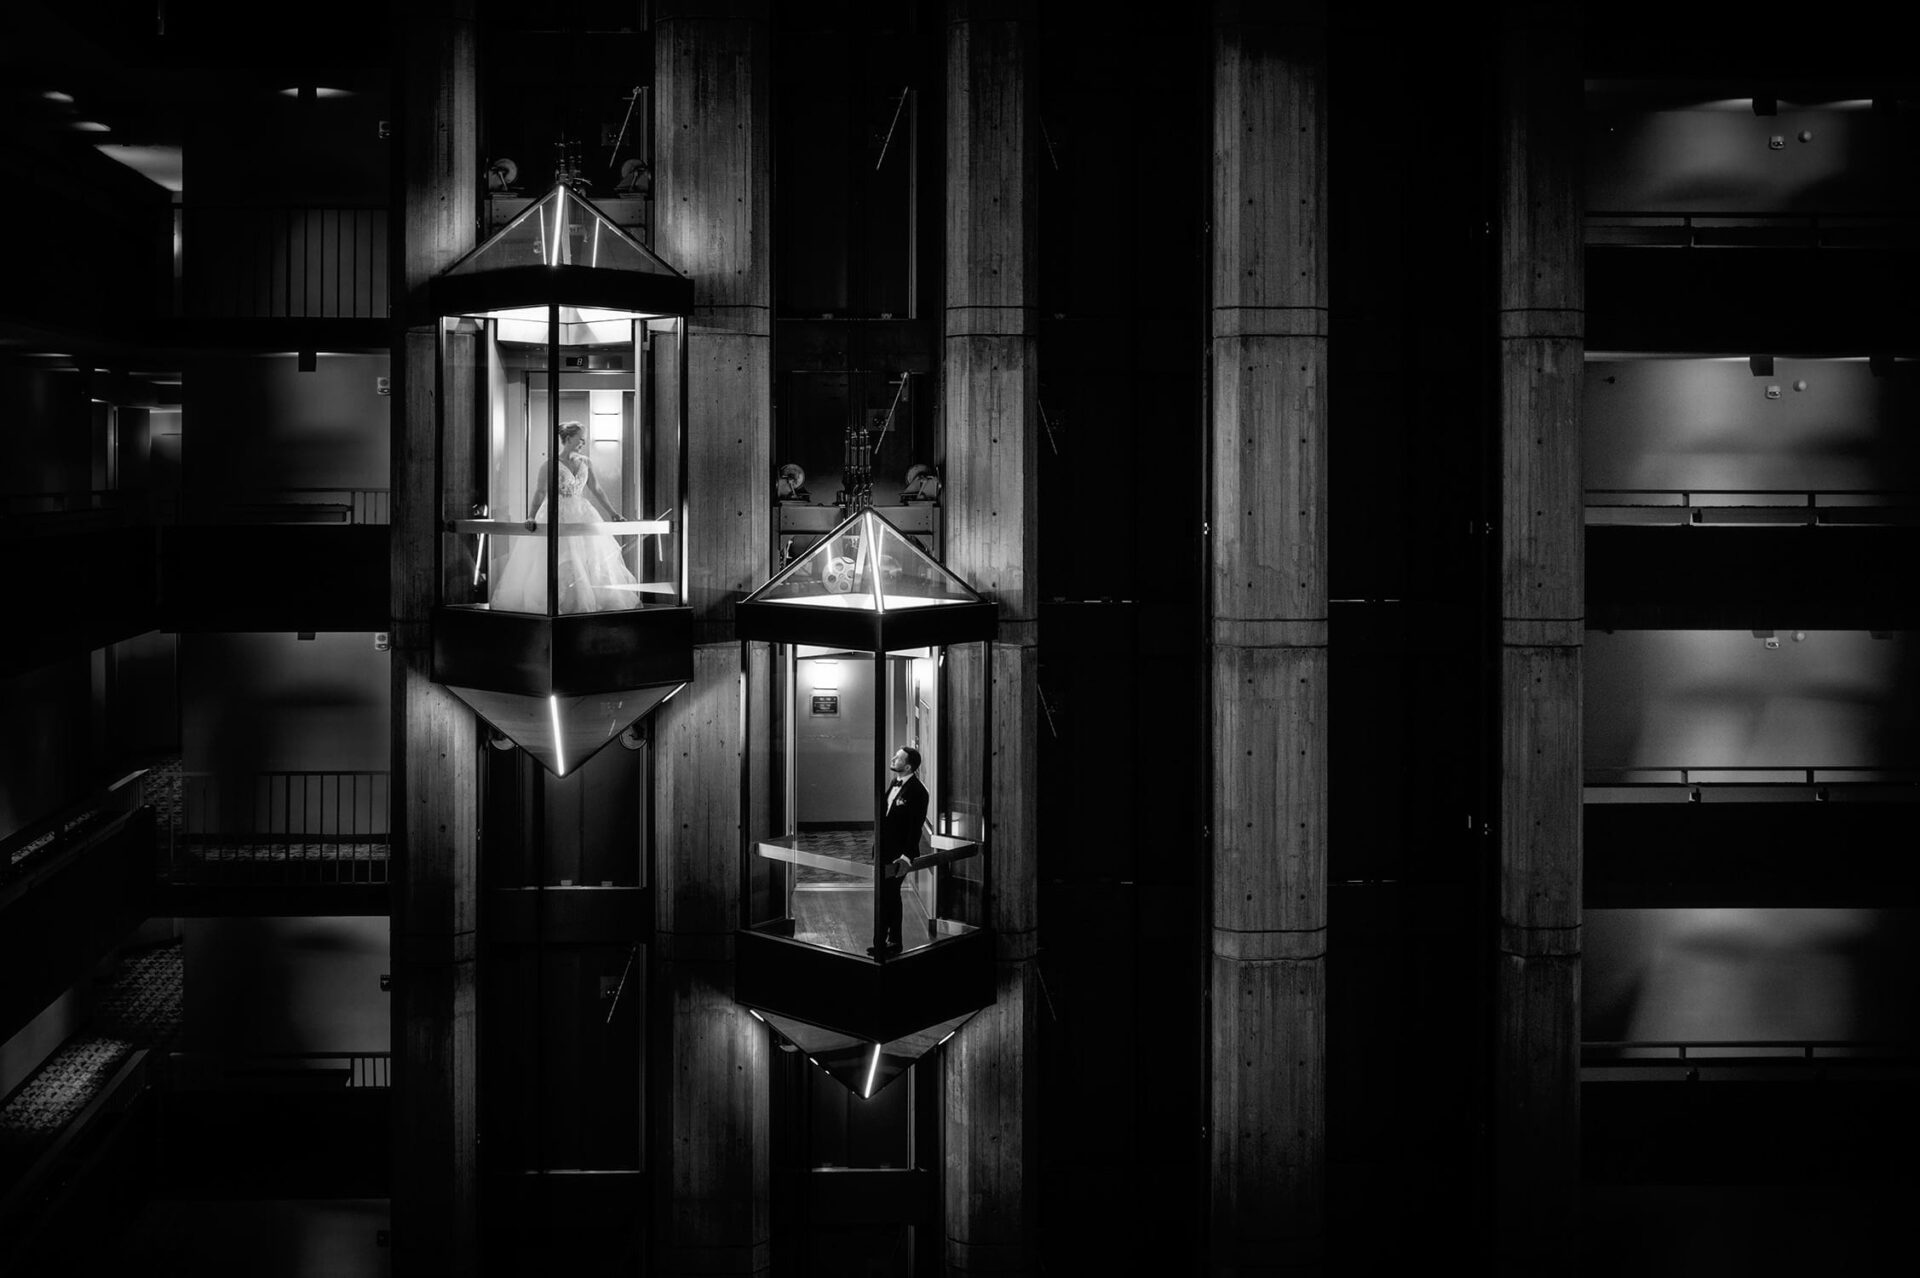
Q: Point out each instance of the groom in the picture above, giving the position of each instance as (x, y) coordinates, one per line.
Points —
(899, 840)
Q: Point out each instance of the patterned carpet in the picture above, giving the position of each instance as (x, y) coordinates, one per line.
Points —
(261, 849)
(854, 846)
(142, 1001)
(137, 1006)
(161, 789)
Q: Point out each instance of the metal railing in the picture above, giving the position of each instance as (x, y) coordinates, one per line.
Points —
(1819, 1055)
(285, 261)
(1694, 784)
(91, 501)
(1724, 229)
(36, 847)
(346, 505)
(289, 1069)
(310, 505)
(282, 827)
(1667, 506)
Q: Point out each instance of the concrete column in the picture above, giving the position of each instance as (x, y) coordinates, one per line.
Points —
(991, 394)
(1268, 534)
(710, 1153)
(435, 806)
(1543, 605)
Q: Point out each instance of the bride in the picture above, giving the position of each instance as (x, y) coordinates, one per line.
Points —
(593, 575)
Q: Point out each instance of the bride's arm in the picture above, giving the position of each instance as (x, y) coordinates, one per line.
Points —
(599, 497)
(538, 498)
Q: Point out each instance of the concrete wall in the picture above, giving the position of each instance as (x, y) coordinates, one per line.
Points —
(44, 436)
(45, 749)
(258, 422)
(269, 985)
(271, 702)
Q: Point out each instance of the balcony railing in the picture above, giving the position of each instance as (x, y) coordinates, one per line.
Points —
(1855, 507)
(281, 827)
(1720, 230)
(41, 846)
(285, 262)
(283, 1071)
(1744, 1058)
(117, 507)
(282, 506)
(87, 502)
(1752, 783)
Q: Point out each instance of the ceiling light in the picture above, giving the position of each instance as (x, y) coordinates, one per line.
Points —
(161, 165)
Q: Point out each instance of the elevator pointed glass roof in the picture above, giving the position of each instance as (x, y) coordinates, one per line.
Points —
(562, 228)
(866, 585)
(561, 250)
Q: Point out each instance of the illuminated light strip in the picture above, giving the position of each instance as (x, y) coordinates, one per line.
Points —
(596, 241)
(559, 224)
(869, 555)
(479, 559)
(542, 213)
(559, 757)
(872, 1068)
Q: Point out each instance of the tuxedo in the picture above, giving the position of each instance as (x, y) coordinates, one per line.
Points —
(899, 836)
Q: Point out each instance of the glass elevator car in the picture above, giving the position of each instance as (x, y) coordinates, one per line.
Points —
(864, 623)
(562, 471)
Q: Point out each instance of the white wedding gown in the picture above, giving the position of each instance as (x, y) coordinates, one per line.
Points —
(593, 575)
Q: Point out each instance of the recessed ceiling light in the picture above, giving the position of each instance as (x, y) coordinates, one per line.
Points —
(90, 126)
(54, 95)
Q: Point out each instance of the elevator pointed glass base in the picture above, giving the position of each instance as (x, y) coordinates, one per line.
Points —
(564, 732)
(862, 1066)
